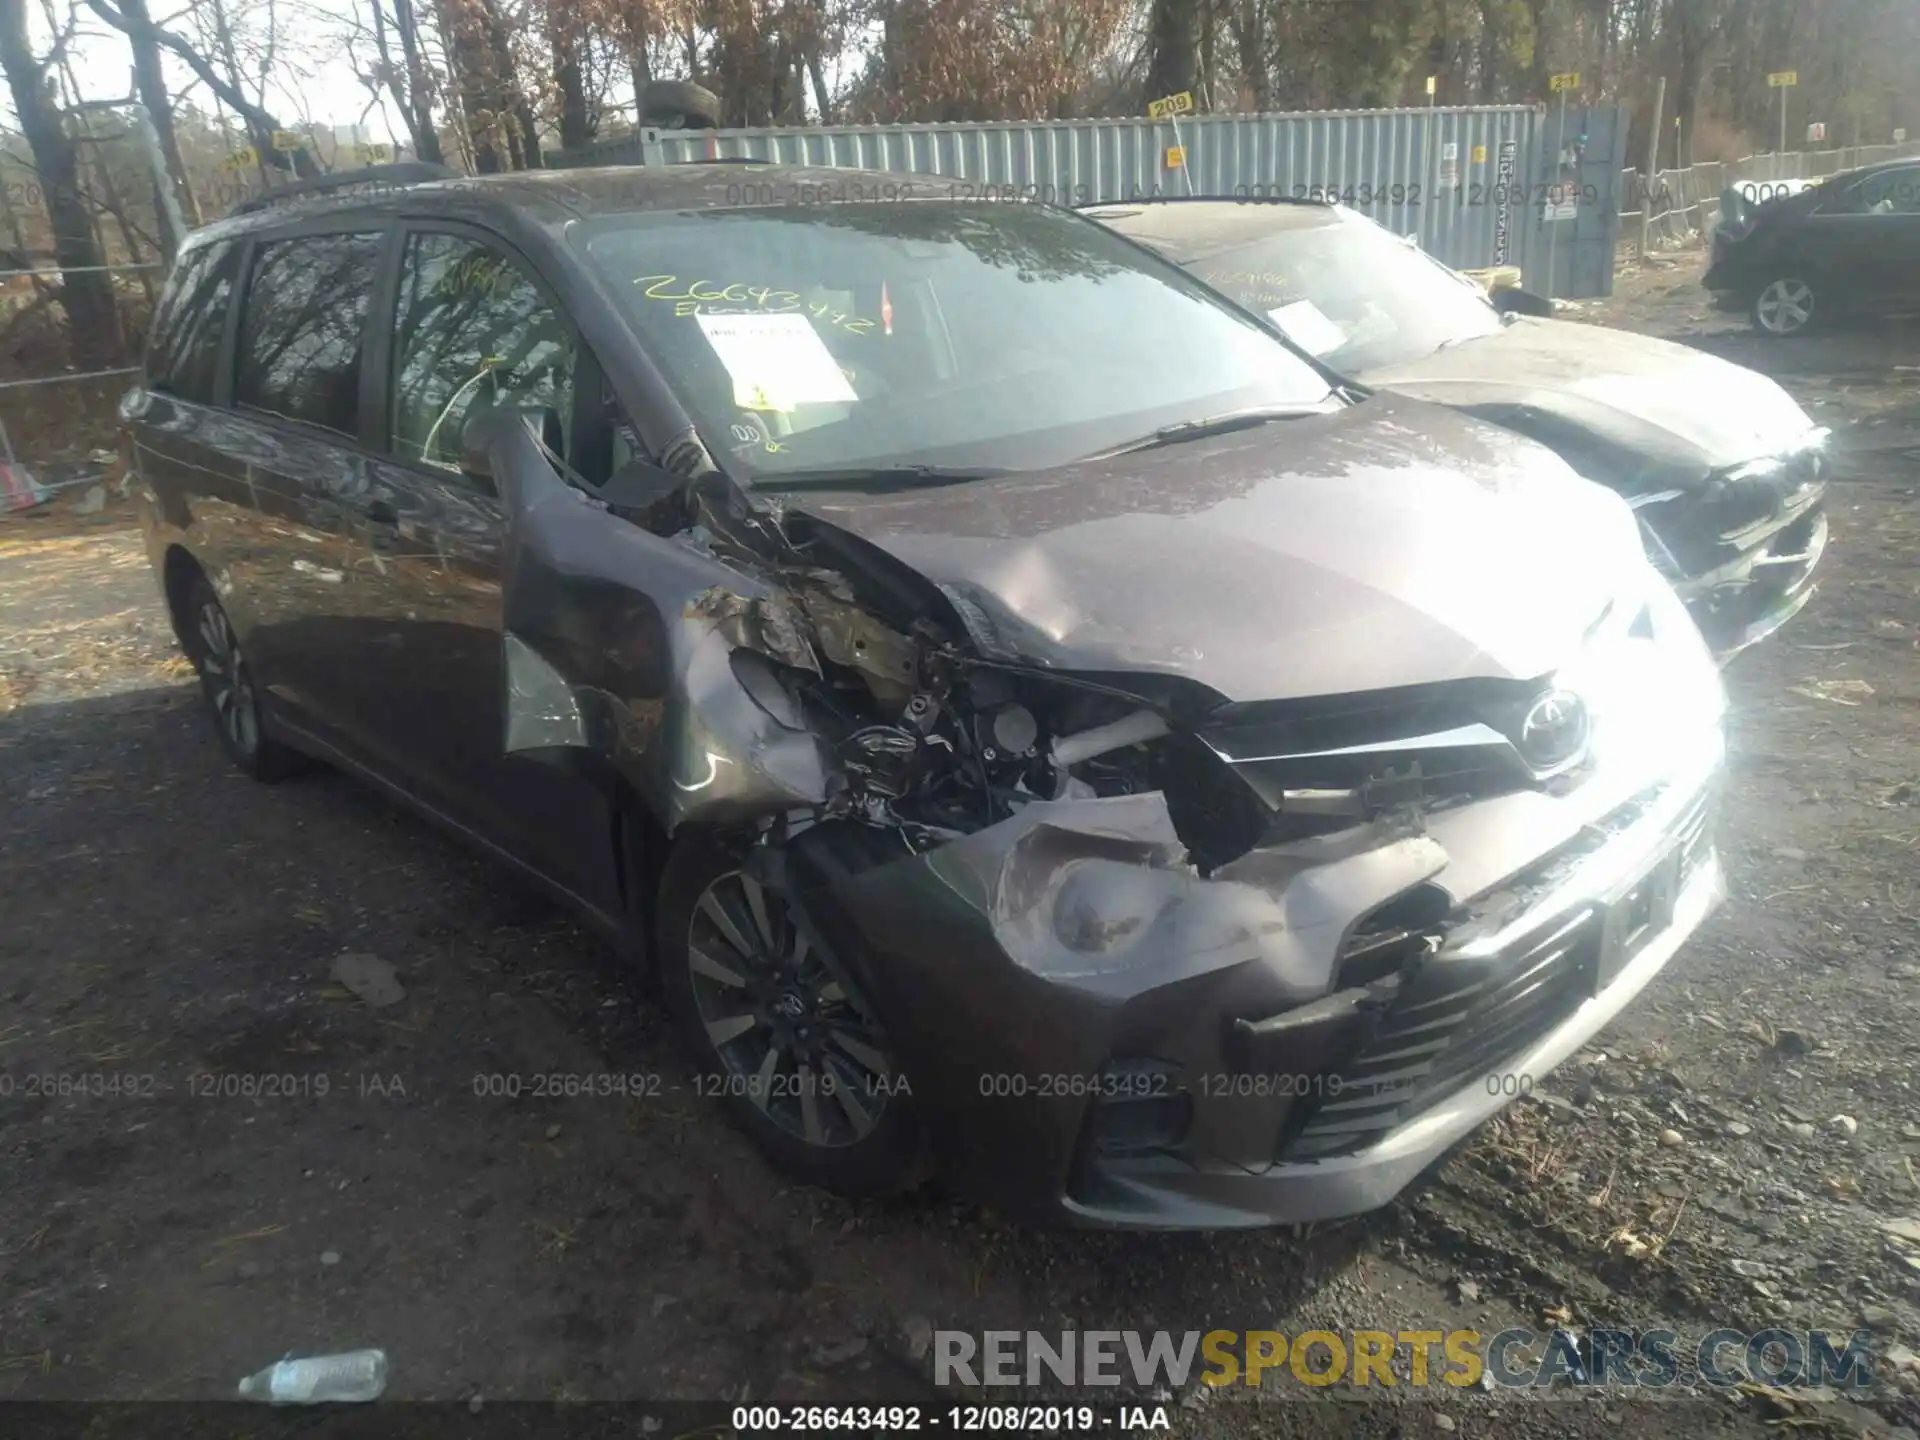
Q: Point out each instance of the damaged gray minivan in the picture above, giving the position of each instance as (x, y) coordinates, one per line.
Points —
(1036, 724)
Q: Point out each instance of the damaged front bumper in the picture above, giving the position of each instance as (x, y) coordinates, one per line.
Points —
(1757, 592)
(1743, 554)
(1102, 1035)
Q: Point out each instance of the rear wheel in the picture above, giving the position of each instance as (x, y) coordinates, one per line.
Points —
(1785, 306)
(777, 1033)
(226, 681)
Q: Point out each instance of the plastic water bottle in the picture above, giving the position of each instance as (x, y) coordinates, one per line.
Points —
(319, 1379)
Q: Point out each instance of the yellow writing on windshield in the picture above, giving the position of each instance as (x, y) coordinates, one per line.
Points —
(1267, 278)
(699, 297)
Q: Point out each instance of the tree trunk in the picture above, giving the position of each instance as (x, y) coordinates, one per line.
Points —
(1489, 52)
(530, 156)
(576, 127)
(818, 76)
(1206, 54)
(1250, 40)
(94, 337)
(1540, 71)
(470, 58)
(416, 106)
(151, 82)
(1173, 34)
(1690, 71)
(512, 100)
(135, 243)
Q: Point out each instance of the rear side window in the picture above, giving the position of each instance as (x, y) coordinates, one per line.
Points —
(301, 332)
(183, 357)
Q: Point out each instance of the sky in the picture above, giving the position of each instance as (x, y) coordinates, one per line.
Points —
(315, 83)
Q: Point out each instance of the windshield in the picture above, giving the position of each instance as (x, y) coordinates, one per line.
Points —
(1006, 336)
(1352, 294)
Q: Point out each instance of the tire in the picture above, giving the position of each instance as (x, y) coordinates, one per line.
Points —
(233, 703)
(722, 935)
(1786, 306)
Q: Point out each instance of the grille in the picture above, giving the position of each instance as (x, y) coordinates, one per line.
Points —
(1695, 835)
(1451, 1021)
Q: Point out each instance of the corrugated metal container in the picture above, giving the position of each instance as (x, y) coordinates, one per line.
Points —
(1437, 173)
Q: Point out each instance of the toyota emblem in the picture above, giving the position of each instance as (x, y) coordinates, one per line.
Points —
(1554, 731)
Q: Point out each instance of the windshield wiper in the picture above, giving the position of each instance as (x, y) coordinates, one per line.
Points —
(875, 477)
(1201, 429)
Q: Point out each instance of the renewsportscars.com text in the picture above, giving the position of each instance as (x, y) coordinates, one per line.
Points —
(1515, 1358)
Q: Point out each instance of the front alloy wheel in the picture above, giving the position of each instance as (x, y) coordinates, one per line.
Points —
(226, 680)
(799, 1060)
(1785, 307)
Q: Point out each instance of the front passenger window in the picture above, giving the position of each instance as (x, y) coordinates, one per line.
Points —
(472, 331)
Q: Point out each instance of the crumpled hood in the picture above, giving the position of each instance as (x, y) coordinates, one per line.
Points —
(1687, 411)
(1391, 543)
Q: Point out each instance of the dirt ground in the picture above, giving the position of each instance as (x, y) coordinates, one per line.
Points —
(165, 920)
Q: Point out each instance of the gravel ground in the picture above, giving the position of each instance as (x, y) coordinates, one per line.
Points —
(166, 920)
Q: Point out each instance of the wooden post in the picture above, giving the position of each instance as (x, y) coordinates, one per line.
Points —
(1651, 173)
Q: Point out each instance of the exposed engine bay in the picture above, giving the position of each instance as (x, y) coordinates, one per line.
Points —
(924, 735)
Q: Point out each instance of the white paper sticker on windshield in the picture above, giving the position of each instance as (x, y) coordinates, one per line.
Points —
(1308, 327)
(776, 361)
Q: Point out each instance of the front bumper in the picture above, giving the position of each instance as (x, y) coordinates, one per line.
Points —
(1726, 277)
(1084, 979)
(1760, 591)
(1745, 566)
(1598, 937)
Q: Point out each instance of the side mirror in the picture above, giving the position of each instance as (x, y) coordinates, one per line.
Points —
(1512, 300)
(640, 483)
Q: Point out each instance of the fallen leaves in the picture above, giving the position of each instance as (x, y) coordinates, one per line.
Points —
(223, 1248)
(1834, 692)
(560, 1238)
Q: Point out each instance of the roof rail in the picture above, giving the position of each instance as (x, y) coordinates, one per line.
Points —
(404, 172)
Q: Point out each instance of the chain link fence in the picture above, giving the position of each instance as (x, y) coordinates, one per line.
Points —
(57, 432)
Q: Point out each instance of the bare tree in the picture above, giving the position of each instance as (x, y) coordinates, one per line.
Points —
(150, 83)
(261, 123)
(408, 80)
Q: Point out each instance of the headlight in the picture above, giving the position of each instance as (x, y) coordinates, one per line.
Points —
(1653, 695)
